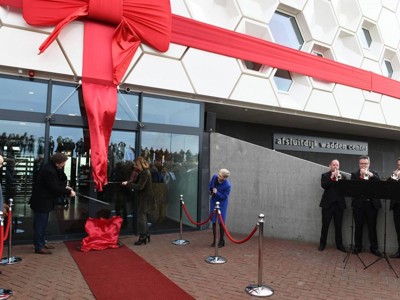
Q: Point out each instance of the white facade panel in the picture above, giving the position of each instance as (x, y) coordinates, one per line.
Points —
(155, 71)
(333, 25)
(322, 103)
(21, 51)
(349, 101)
(372, 112)
(255, 90)
(211, 74)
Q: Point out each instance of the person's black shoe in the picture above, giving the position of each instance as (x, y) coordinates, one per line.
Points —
(321, 247)
(341, 248)
(396, 255)
(376, 252)
(221, 243)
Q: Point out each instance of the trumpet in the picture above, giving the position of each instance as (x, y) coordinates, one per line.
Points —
(337, 175)
(366, 174)
(395, 175)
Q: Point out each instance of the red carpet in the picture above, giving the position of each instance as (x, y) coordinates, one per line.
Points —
(122, 274)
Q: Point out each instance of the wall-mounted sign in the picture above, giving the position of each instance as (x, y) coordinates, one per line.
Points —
(293, 142)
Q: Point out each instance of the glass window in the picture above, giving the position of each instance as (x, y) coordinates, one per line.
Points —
(65, 100)
(162, 111)
(23, 95)
(387, 68)
(366, 38)
(285, 30)
(252, 65)
(19, 144)
(283, 80)
(127, 107)
(174, 166)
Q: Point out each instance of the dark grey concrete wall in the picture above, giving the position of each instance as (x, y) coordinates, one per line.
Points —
(284, 188)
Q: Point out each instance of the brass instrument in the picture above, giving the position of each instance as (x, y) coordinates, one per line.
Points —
(337, 175)
(366, 175)
(395, 175)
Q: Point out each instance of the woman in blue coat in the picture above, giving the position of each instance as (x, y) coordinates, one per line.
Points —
(219, 188)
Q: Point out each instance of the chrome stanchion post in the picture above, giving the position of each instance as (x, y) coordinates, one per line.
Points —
(4, 293)
(216, 259)
(260, 290)
(180, 241)
(10, 259)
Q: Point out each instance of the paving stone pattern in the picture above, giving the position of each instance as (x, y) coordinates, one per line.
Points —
(294, 270)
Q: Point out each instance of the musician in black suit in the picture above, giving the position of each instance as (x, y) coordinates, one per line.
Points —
(365, 210)
(332, 204)
(395, 207)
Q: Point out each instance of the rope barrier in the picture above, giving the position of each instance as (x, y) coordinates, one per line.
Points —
(231, 238)
(7, 230)
(193, 221)
(1, 233)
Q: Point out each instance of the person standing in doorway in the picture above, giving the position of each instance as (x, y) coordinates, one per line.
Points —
(49, 186)
(219, 188)
(143, 184)
(365, 210)
(332, 204)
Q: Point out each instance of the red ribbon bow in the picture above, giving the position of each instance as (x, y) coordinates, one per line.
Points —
(136, 21)
(114, 30)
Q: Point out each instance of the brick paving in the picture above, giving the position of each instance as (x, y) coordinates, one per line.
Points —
(295, 270)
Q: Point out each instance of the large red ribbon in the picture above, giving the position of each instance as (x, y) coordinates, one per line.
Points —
(113, 31)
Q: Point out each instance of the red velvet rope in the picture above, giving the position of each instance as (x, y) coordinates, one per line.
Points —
(1, 239)
(193, 221)
(9, 218)
(221, 222)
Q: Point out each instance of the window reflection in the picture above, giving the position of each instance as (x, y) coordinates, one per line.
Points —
(23, 95)
(285, 30)
(174, 168)
(162, 111)
(65, 100)
(19, 144)
(127, 107)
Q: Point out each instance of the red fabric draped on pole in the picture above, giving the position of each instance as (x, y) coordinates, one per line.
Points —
(120, 27)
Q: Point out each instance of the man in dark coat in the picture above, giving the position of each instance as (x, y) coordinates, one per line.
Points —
(395, 206)
(332, 204)
(365, 210)
(49, 186)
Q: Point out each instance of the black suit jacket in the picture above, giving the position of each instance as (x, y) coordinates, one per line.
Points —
(331, 193)
(357, 202)
(393, 201)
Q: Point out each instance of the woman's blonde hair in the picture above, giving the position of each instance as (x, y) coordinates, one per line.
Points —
(225, 173)
(141, 163)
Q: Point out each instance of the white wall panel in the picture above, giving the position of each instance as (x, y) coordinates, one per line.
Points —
(155, 71)
(370, 8)
(21, 51)
(71, 40)
(391, 108)
(178, 7)
(321, 20)
(348, 13)
(322, 103)
(222, 13)
(255, 90)
(259, 10)
(372, 112)
(389, 24)
(211, 74)
(349, 100)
